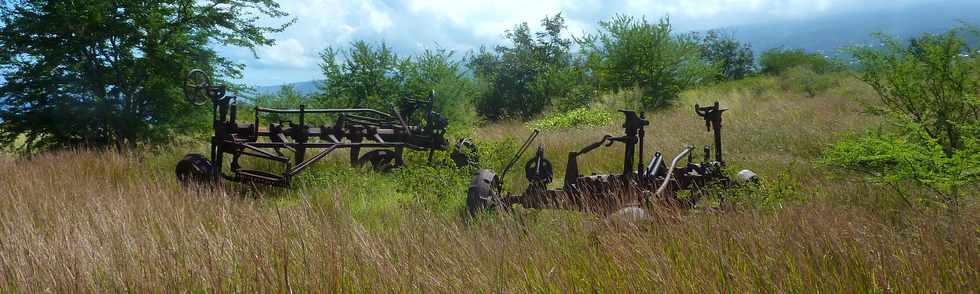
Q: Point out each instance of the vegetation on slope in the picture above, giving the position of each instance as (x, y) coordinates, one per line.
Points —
(95, 221)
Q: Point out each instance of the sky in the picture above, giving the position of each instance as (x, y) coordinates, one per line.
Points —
(411, 26)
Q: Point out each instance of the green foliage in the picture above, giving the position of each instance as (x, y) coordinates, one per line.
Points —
(733, 59)
(578, 118)
(287, 98)
(629, 52)
(928, 89)
(804, 79)
(367, 76)
(890, 157)
(102, 72)
(438, 70)
(779, 60)
(522, 79)
(436, 188)
(374, 76)
(768, 193)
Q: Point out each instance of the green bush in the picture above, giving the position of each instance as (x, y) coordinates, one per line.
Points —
(776, 61)
(803, 79)
(521, 80)
(374, 76)
(733, 59)
(768, 193)
(578, 118)
(928, 91)
(629, 52)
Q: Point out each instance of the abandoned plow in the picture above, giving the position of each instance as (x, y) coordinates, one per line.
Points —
(657, 182)
(372, 137)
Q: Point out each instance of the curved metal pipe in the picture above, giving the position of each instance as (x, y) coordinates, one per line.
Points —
(670, 170)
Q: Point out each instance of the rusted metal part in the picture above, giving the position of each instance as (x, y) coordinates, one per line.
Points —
(382, 136)
(638, 184)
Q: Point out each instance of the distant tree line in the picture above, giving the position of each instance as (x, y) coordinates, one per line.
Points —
(536, 71)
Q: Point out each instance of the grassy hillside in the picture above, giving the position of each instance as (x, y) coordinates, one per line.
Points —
(93, 221)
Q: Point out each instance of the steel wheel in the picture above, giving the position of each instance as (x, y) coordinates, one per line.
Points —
(195, 169)
(380, 160)
(196, 87)
(482, 194)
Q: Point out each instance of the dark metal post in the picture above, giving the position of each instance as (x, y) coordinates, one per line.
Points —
(716, 125)
(300, 134)
(639, 170)
(712, 120)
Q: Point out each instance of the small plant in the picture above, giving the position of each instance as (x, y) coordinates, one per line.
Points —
(578, 118)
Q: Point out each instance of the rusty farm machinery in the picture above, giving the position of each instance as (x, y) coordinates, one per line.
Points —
(372, 137)
(384, 136)
(639, 185)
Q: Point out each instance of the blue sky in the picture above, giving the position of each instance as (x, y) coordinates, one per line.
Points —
(413, 25)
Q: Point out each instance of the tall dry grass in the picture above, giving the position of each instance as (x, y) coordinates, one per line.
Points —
(83, 221)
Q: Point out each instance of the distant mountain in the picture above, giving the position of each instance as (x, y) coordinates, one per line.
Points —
(305, 88)
(831, 33)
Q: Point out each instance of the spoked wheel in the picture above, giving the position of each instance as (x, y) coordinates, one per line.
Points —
(482, 194)
(380, 160)
(195, 169)
(196, 87)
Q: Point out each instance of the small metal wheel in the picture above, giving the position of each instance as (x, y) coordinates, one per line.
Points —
(465, 154)
(381, 160)
(538, 170)
(196, 87)
(195, 169)
(482, 194)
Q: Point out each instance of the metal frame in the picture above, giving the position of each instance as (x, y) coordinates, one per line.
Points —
(637, 185)
(388, 134)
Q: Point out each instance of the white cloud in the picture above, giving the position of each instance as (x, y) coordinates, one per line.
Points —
(412, 25)
(289, 52)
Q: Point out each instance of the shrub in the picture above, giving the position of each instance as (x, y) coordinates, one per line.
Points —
(366, 76)
(928, 90)
(778, 60)
(733, 59)
(522, 79)
(578, 118)
(374, 76)
(804, 79)
(630, 52)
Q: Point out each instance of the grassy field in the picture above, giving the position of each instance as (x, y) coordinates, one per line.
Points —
(86, 221)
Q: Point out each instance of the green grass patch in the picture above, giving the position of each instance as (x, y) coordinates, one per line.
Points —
(577, 118)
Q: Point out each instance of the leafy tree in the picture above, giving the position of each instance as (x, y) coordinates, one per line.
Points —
(733, 58)
(928, 89)
(374, 76)
(101, 72)
(366, 76)
(630, 52)
(437, 70)
(521, 80)
(287, 97)
(775, 61)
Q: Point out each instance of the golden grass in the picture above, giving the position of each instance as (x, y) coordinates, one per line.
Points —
(81, 221)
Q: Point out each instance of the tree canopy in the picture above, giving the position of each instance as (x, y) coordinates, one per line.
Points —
(522, 79)
(372, 75)
(630, 52)
(109, 72)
